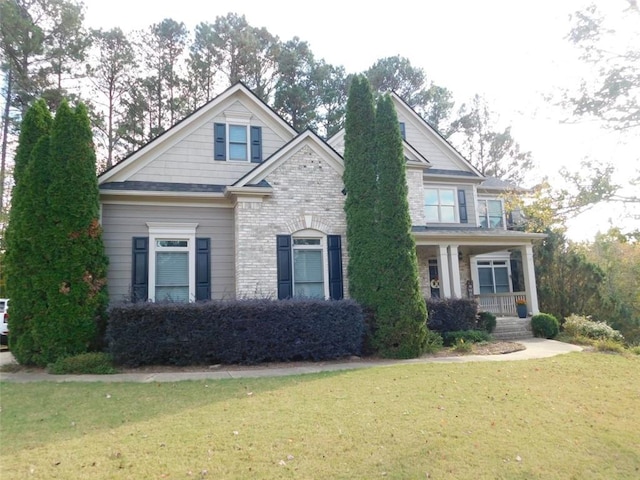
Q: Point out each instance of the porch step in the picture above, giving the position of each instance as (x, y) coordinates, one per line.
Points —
(512, 328)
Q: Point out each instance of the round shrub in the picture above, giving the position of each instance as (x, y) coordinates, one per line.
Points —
(487, 321)
(545, 325)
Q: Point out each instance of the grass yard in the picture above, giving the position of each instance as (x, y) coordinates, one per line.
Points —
(575, 416)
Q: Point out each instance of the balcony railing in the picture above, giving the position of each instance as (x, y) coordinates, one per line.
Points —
(500, 304)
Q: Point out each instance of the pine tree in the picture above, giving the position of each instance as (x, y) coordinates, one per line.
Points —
(26, 255)
(400, 308)
(360, 185)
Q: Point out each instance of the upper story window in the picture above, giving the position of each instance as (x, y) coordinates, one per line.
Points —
(440, 205)
(491, 213)
(237, 142)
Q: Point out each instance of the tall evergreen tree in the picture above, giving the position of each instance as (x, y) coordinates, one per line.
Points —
(76, 278)
(26, 255)
(360, 185)
(401, 312)
(55, 258)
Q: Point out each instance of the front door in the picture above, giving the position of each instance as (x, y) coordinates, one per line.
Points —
(434, 278)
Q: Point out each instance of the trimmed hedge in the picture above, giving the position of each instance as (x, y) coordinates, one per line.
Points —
(451, 314)
(229, 332)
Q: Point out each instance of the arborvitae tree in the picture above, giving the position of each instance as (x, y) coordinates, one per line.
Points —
(401, 312)
(27, 251)
(360, 185)
(75, 279)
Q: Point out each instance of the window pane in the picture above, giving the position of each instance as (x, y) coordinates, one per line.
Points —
(448, 214)
(502, 279)
(431, 213)
(447, 197)
(307, 265)
(486, 280)
(430, 196)
(308, 273)
(172, 276)
(172, 243)
(237, 134)
(237, 151)
(306, 241)
(495, 207)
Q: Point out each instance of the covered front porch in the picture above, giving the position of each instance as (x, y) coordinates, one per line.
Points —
(493, 266)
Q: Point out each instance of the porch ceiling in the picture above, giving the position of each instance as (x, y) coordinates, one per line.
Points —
(480, 240)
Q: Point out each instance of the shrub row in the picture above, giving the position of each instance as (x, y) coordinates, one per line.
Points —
(579, 325)
(241, 331)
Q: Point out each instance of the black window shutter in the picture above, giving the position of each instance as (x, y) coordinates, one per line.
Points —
(285, 285)
(256, 144)
(403, 132)
(462, 206)
(334, 248)
(140, 269)
(203, 269)
(220, 137)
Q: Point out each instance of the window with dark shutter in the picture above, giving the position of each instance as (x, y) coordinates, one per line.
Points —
(285, 286)
(462, 206)
(203, 269)
(140, 269)
(220, 140)
(256, 144)
(334, 249)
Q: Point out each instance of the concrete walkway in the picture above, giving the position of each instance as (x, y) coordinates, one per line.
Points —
(535, 348)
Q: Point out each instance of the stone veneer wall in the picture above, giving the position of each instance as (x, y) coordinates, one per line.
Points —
(424, 254)
(307, 194)
(416, 195)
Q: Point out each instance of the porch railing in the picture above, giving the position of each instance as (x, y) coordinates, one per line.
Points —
(500, 304)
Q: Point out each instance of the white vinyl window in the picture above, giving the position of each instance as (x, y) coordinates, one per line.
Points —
(440, 205)
(491, 213)
(493, 276)
(238, 145)
(171, 262)
(309, 266)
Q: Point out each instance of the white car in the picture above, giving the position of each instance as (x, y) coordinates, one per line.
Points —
(4, 320)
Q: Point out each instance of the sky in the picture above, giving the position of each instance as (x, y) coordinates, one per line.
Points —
(514, 53)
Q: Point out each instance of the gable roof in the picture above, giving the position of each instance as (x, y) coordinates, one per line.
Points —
(307, 138)
(437, 138)
(147, 153)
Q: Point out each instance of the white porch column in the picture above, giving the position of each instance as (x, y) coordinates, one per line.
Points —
(454, 269)
(529, 279)
(443, 267)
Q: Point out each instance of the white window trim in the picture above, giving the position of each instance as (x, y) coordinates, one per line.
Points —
(172, 231)
(312, 234)
(485, 199)
(456, 208)
(237, 119)
(498, 257)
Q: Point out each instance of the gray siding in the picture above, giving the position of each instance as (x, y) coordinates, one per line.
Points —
(123, 222)
(191, 159)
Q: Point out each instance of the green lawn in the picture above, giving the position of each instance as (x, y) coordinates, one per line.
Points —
(574, 416)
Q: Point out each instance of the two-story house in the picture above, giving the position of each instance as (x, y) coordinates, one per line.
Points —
(232, 202)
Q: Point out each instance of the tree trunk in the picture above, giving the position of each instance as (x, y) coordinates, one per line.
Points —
(5, 136)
